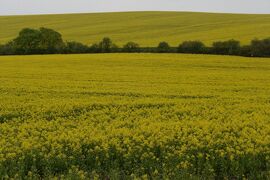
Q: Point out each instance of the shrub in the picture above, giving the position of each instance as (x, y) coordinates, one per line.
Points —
(94, 48)
(163, 47)
(28, 41)
(51, 41)
(245, 51)
(260, 48)
(106, 45)
(195, 47)
(230, 47)
(76, 47)
(7, 49)
(131, 47)
(42, 41)
(115, 48)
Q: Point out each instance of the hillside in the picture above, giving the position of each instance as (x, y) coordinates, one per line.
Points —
(146, 28)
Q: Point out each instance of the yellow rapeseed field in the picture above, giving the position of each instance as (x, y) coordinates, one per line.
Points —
(159, 116)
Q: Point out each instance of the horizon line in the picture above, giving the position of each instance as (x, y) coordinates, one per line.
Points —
(139, 11)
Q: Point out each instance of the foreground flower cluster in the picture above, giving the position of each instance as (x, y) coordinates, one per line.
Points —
(66, 126)
(141, 147)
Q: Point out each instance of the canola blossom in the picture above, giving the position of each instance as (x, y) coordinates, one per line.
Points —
(159, 116)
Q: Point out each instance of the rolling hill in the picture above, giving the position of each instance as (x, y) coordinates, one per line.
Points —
(146, 28)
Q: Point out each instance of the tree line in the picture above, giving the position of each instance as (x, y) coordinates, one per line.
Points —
(49, 41)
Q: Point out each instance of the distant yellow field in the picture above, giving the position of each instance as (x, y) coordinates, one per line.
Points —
(146, 28)
(124, 116)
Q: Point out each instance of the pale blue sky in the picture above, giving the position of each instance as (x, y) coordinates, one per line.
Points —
(12, 7)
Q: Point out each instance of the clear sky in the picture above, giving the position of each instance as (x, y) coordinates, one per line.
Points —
(14, 7)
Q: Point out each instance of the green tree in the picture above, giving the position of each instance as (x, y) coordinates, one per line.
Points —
(106, 45)
(245, 51)
(131, 47)
(7, 49)
(76, 47)
(28, 41)
(260, 48)
(114, 48)
(163, 47)
(191, 47)
(32, 41)
(94, 48)
(230, 47)
(51, 41)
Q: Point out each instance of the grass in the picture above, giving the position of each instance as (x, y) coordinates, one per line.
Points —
(139, 115)
(146, 28)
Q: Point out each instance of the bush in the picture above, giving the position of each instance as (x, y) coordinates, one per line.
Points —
(51, 41)
(230, 47)
(195, 47)
(260, 48)
(115, 48)
(42, 41)
(7, 49)
(94, 48)
(131, 47)
(147, 50)
(245, 51)
(28, 41)
(163, 47)
(106, 45)
(76, 47)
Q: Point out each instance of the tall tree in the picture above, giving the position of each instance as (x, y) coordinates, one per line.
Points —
(51, 41)
(163, 47)
(260, 48)
(230, 47)
(32, 41)
(28, 41)
(106, 45)
(191, 47)
(131, 47)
